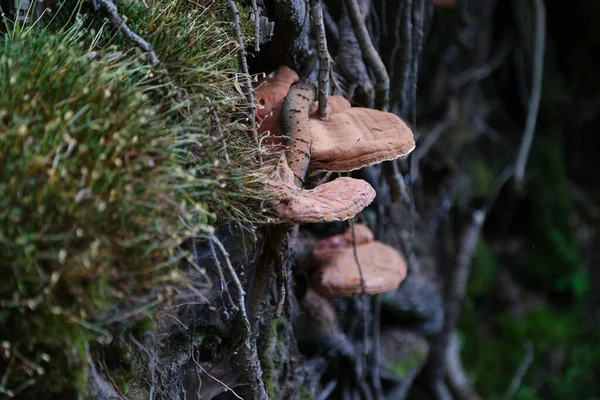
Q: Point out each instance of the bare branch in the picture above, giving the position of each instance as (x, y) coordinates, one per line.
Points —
(457, 377)
(256, 26)
(323, 55)
(113, 15)
(251, 107)
(536, 92)
(521, 371)
(237, 283)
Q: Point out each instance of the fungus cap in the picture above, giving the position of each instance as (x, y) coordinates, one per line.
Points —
(337, 200)
(358, 137)
(270, 93)
(337, 273)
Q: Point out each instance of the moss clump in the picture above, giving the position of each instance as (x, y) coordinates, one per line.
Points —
(106, 166)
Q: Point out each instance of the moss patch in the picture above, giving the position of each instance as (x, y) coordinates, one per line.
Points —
(106, 166)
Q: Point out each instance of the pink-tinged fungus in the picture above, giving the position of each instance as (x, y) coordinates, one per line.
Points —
(337, 200)
(335, 271)
(270, 93)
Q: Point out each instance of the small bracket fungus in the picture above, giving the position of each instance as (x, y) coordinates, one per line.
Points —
(337, 200)
(270, 93)
(336, 274)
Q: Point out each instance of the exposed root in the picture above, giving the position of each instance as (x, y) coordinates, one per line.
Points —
(113, 15)
(382, 88)
(219, 269)
(237, 283)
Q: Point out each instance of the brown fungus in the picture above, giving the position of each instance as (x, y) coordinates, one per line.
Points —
(270, 92)
(358, 137)
(335, 271)
(337, 200)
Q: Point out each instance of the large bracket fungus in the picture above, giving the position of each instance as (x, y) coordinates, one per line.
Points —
(349, 139)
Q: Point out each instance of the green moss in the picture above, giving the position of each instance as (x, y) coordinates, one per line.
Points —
(402, 367)
(492, 355)
(106, 166)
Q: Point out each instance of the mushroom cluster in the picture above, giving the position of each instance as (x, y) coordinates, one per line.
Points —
(334, 268)
(350, 138)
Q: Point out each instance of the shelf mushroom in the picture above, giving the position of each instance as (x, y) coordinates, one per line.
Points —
(349, 139)
(337, 200)
(270, 93)
(335, 273)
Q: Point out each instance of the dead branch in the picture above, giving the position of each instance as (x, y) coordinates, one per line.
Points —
(327, 390)
(457, 377)
(219, 273)
(250, 103)
(113, 16)
(256, 26)
(520, 372)
(237, 283)
(455, 292)
(536, 92)
(323, 55)
(382, 87)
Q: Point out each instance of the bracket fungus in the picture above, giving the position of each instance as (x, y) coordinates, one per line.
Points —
(335, 272)
(349, 139)
(337, 200)
(270, 92)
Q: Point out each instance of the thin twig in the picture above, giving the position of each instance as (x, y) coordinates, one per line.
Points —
(455, 292)
(215, 116)
(251, 108)
(327, 390)
(113, 15)
(256, 26)
(220, 273)
(323, 55)
(521, 371)
(457, 377)
(382, 87)
(407, 55)
(281, 277)
(236, 281)
(419, 37)
(536, 92)
(220, 382)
